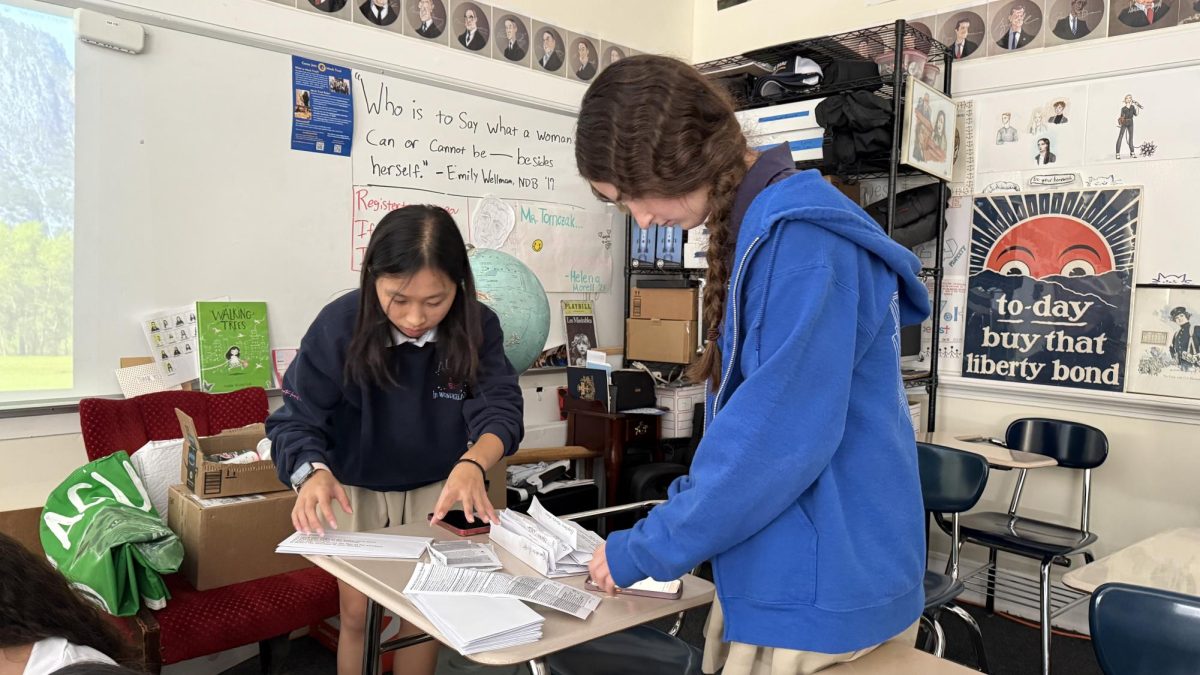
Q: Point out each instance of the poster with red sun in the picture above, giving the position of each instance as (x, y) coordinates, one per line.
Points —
(1051, 276)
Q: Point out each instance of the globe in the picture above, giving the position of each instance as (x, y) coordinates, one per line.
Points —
(514, 293)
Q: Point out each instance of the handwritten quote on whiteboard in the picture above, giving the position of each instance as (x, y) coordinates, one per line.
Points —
(475, 157)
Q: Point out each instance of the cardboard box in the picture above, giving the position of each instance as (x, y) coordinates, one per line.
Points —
(659, 340)
(675, 304)
(213, 479)
(680, 403)
(231, 540)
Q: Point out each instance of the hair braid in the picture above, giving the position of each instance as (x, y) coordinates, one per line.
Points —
(721, 244)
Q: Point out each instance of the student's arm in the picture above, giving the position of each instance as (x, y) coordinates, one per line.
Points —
(766, 446)
(495, 426)
(312, 388)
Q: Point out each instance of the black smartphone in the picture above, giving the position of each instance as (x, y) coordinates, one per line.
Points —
(456, 522)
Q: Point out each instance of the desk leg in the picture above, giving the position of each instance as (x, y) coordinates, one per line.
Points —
(370, 662)
(538, 667)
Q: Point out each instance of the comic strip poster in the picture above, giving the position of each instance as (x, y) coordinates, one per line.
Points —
(1165, 343)
(1050, 285)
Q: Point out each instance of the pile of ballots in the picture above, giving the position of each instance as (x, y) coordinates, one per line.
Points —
(550, 545)
(471, 555)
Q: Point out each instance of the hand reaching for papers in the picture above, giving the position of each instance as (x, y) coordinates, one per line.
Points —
(465, 485)
(315, 500)
(598, 568)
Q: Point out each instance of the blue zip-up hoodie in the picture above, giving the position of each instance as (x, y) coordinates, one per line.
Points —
(804, 491)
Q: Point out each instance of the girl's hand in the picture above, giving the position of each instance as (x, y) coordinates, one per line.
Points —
(465, 485)
(315, 499)
(598, 568)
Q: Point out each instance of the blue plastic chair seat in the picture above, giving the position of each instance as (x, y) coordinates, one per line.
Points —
(940, 589)
(1023, 536)
(1144, 631)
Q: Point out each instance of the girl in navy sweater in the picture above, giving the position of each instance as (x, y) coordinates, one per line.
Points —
(399, 400)
(804, 491)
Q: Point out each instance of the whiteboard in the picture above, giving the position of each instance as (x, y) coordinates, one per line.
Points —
(187, 189)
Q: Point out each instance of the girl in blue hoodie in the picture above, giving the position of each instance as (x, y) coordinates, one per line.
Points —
(399, 400)
(804, 492)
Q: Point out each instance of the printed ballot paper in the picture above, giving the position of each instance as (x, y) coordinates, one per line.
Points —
(464, 554)
(355, 545)
(437, 580)
(550, 545)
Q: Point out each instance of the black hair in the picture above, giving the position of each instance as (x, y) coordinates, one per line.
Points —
(37, 602)
(404, 242)
(95, 668)
(229, 352)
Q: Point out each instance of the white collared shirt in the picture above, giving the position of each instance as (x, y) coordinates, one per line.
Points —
(399, 338)
(380, 12)
(427, 24)
(470, 36)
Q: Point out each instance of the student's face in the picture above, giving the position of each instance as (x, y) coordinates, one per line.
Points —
(548, 42)
(686, 211)
(471, 20)
(960, 31)
(510, 29)
(1016, 18)
(416, 303)
(425, 9)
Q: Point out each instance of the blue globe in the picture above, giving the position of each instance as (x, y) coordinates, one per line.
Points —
(515, 294)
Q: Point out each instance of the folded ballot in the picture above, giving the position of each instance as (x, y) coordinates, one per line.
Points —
(550, 545)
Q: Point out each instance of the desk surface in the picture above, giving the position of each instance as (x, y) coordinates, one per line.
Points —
(1168, 561)
(994, 454)
(384, 581)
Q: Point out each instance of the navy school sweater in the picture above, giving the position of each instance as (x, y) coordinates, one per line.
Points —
(397, 437)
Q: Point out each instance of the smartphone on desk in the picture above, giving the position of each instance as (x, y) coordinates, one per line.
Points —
(669, 590)
(456, 522)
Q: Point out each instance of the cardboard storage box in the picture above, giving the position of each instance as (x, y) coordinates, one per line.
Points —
(680, 403)
(231, 540)
(659, 340)
(675, 304)
(213, 479)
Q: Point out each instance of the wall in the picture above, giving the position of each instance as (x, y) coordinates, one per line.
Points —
(760, 23)
(47, 447)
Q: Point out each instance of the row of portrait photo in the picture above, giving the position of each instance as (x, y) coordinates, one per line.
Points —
(1008, 26)
(484, 30)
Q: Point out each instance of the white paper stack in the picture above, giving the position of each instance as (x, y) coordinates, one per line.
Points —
(437, 580)
(355, 545)
(476, 623)
(464, 554)
(550, 545)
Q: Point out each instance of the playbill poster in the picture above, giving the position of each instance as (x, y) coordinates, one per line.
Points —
(1164, 349)
(1049, 290)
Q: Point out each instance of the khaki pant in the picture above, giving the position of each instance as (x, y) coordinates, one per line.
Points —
(377, 510)
(742, 659)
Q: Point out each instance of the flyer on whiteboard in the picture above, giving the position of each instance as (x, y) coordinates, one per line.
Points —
(322, 107)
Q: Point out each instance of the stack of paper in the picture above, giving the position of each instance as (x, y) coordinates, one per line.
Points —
(436, 580)
(355, 545)
(464, 554)
(475, 623)
(550, 545)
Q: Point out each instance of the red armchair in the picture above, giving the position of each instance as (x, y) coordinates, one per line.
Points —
(195, 623)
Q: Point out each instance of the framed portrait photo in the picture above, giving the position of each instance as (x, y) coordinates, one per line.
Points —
(929, 120)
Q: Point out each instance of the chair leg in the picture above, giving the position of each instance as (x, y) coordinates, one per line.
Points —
(976, 634)
(991, 582)
(272, 653)
(1045, 606)
(935, 638)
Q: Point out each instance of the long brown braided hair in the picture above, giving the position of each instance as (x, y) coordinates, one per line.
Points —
(653, 126)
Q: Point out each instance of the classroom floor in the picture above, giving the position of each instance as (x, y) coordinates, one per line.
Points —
(1011, 647)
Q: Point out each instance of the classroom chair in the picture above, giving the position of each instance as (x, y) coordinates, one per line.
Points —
(1145, 631)
(1074, 446)
(196, 623)
(952, 481)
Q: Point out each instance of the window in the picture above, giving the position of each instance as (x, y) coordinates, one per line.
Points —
(37, 202)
